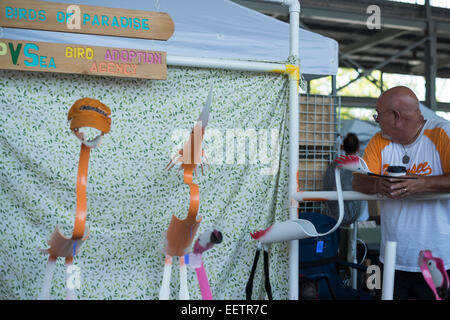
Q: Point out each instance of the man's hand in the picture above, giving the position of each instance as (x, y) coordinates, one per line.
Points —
(396, 188)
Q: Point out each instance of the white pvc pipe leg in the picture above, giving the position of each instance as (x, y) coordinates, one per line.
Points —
(47, 284)
(184, 292)
(72, 280)
(354, 272)
(390, 251)
(71, 294)
(164, 291)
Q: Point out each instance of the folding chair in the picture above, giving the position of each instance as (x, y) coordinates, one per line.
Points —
(319, 264)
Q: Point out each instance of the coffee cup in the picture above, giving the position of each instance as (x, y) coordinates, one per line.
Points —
(396, 171)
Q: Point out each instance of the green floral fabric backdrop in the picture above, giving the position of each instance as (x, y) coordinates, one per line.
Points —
(130, 196)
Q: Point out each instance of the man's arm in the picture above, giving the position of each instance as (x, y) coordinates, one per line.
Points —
(439, 184)
(372, 185)
(397, 188)
(424, 184)
(364, 183)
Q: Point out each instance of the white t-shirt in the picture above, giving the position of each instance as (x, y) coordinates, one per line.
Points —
(414, 225)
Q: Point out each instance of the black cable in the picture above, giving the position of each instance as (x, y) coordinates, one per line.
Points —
(249, 286)
(266, 275)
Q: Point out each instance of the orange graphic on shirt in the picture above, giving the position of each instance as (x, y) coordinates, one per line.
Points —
(423, 169)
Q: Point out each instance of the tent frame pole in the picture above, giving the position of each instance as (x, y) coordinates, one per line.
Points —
(228, 64)
(294, 128)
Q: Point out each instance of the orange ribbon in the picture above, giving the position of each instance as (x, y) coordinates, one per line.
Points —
(181, 233)
(81, 212)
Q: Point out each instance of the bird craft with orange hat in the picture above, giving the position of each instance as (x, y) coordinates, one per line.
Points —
(91, 113)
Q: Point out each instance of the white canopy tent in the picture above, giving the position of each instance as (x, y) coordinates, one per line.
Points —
(215, 29)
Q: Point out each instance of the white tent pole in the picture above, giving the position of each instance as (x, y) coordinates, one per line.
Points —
(241, 65)
(294, 21)
(390, 251)
(354, 195)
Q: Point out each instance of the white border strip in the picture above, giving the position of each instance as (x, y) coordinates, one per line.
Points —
(354, 195)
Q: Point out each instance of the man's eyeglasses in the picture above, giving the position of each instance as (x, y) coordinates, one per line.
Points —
(377, 114)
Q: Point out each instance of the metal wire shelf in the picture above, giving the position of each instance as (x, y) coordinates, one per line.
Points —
(318, 133)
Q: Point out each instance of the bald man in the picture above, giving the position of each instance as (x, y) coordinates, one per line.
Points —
(423, 148)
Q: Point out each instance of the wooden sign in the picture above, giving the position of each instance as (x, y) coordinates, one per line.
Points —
(64, 17)
(65, 58)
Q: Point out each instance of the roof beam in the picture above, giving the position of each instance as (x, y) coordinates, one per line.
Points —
(372, 41)
(441, 63)
(354, 16)
(387, 61)
(371, 103)
(328, 14)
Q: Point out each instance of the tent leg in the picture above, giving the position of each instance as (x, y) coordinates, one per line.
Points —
(46, 286)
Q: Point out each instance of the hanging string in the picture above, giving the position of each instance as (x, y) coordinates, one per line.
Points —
(303, 83)
(157, 5)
